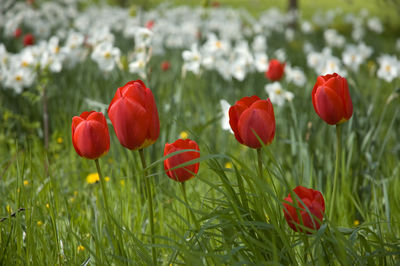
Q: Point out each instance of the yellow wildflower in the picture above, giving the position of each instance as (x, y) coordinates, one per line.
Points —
(26, 182)
(228, 165)
(60, 140)
(356, 222)
(39, 223)
(81, 248)
(92, 178)
(184, 135)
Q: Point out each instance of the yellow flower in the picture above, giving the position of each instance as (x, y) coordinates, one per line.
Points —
(60, 140)
(122, 182)
(356, 222)
(228, 165)
(92, 178)
(47, 205)
(26, 182)
(107, 178)
(81, 248)
(184, 135)
(39, 223)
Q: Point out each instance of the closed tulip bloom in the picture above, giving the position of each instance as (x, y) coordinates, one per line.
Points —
(275, 70)
(29, 39)
(187, 172)
(331, 99)
(133, 113)
(252, 115)
(90, 135)
(297, 217)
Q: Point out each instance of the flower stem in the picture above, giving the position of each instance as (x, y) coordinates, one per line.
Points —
(335, 180)
(259, 157)
(103, 189)
(150, 202)
(183, 188)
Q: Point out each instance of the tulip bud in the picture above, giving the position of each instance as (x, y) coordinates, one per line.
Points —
(133, 113)
(252, 119)
(90, 135)
(297, 214)
(165, 65)
(275, 70)
(29, 39)
(331, 99)
(187, 172)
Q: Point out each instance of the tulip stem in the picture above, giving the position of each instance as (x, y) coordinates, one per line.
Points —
(150, 202)
(259, 157)
(335, 180)
(103, 189)
(183, 188)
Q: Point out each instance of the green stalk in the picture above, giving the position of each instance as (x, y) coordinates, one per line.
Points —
(103, 189)
(335, 180)
(259, 157)
(183, 188)
(150, 202)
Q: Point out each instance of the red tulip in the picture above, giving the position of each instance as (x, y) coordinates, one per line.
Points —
(29, 39)
(165, 65)
(150, 24)
(310, 199)
(331, 99)
(133, 113)
(252, 115)
(90, 135)
(17, 33)
(184, 173)
(275, 70)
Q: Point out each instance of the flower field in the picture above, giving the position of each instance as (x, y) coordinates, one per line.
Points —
(198, 135)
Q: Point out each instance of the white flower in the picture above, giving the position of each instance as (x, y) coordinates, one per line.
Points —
(280, 54)
(389, 67)
(52, 56)
(295, 75)
(398, 44)
(334, 39)
(138, 67)
(214, 46)
(289, 34)
(143, 37)
(259, 44)
(352, 58)
(306, 27)
(225, 115)
(192, 60)
(375, 25)
(261, 62)
(19, 78)
(277, 94)
(239, 69)
(332, 65)
(106, 56)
